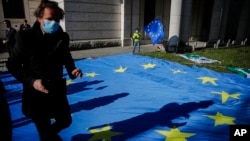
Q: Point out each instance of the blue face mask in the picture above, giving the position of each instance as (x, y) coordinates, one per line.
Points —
(50, 26)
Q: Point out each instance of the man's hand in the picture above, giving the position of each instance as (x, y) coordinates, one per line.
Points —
(77, 72)
(39, 86)
(4, 41)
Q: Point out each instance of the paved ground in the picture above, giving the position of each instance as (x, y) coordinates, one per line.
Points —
(93, 53)
(101, 52)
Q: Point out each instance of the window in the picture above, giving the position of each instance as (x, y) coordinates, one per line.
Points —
(13, 9)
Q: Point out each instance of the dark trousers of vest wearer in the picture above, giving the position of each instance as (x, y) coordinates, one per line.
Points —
(136, 45)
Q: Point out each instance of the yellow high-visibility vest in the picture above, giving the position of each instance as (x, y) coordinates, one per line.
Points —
(136, 36)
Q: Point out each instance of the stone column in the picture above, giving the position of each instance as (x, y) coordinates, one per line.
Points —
(186, 19)
(175, 18)
(122, 21)
(225, 16)
(2, 29)
(243, 25)
(130, 19)
(126, 22)
(216, 20)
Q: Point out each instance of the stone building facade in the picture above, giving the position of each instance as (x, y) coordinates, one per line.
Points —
(106, 20)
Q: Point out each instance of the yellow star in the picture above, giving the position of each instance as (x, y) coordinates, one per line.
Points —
(221, 119)
(175, 135)
(208, 79)
(103, 134)
(149, 66)
(121, 69)
(93, 74)
(225, 96)
(177, 71)
(68, 82)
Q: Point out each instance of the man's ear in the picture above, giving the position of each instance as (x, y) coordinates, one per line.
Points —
(40, 20)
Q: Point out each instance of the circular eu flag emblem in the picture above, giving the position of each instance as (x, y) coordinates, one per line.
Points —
(155, 31)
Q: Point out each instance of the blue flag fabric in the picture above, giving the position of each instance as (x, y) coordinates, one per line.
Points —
(138, 98)
(155, 31)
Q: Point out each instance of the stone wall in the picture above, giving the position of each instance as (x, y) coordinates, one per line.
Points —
(93, 19)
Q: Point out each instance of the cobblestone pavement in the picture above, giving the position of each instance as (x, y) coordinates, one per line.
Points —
(90, 53)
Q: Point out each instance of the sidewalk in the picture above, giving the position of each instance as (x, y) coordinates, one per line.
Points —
(91, 53)
(101, 52)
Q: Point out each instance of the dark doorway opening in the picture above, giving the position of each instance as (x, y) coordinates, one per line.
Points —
(233, 19)
(149, 11)
(13, 8)
(206, 19)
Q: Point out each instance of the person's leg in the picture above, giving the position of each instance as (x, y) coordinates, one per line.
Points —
(5, 122)
(53, 105)
(8, 49)
(62, 118)
(139, 47)
(43, 125)
(38, 107)
(134, 46)
(48, 130)
(61, 109)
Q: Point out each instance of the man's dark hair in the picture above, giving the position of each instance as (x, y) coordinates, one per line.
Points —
(59, 13)
(8, 23)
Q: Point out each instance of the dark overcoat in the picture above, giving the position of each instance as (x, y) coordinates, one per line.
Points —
(37, 55)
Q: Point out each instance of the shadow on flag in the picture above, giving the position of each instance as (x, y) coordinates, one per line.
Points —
(155, 31)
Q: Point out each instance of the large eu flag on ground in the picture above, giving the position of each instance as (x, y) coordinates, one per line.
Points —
(155, 31)
(130, 97)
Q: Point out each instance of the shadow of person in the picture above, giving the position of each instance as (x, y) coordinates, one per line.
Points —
(81, 86)
(79, 106)
(96, 102)
(139, 124)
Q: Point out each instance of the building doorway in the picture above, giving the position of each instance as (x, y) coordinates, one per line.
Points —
(149, 11)
(10, 5)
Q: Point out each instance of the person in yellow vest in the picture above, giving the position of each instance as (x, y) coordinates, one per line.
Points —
(136, 40)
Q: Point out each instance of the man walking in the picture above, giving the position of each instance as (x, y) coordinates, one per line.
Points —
(10, 34)
(39, 58)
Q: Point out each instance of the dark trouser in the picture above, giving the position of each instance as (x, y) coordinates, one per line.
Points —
(50, 112)
(5, 122)
(9, 48)
(135, 45)
(48, 131)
